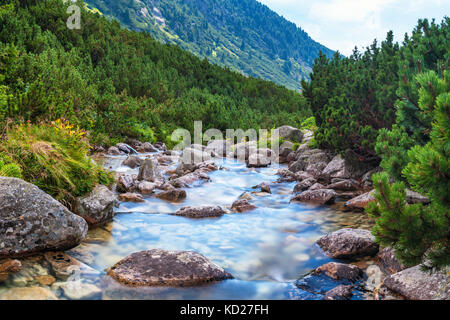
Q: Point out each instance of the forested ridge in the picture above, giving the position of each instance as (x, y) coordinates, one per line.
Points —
(116, 83)
(244, 35)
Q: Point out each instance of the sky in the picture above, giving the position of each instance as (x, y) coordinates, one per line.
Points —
(343, 24)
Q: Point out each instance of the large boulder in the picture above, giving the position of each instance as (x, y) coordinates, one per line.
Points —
(149, 171)
(337, 168)
(348, 244)
(258, 160)
(32, 221)
(289, 133)
(191, 158)
(97, 207)
(158, 267)
(220, 147)
(415, 284)
(314, 159)
(321, 196)
(200, 212)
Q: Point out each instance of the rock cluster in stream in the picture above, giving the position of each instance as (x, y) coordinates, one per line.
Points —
(31, 222)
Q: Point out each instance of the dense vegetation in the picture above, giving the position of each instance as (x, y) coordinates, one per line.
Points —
(421, 233)
(53, 157)
(116, 83)
(389, 105)
(243, 35)
(354, 98)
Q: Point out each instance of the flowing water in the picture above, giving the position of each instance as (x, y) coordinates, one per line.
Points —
(265, 250)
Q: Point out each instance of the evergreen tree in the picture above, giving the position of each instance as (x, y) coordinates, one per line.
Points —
(420, 233)
(427, 49)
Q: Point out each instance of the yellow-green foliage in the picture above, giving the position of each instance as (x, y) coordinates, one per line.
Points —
(54, 157)
(9, 170)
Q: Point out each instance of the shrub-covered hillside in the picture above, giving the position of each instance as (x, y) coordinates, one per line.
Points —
(116, 83)
(244, 35)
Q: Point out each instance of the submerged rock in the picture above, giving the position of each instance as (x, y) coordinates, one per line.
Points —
(31, 221)
(64, 266)
(28, 293)
(321, 196)
(348, 244)
(8, 267)
(200, 212)
(77, 290)
(97, 207)
(415, 284)
(158, 267)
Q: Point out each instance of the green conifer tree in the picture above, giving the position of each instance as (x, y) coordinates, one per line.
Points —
(420, 233)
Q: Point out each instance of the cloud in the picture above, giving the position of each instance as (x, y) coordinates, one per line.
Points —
(343, 24)
(348, 10)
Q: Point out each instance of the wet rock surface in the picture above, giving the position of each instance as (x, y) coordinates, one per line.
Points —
(168, 268)
(242, 205)
(341, 292)
(175, 195)
(130, 197)
(31, 221)
(340, 271)
(348, 244)
(200, 212)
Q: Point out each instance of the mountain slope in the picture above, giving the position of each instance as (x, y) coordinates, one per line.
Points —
(243, 35)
